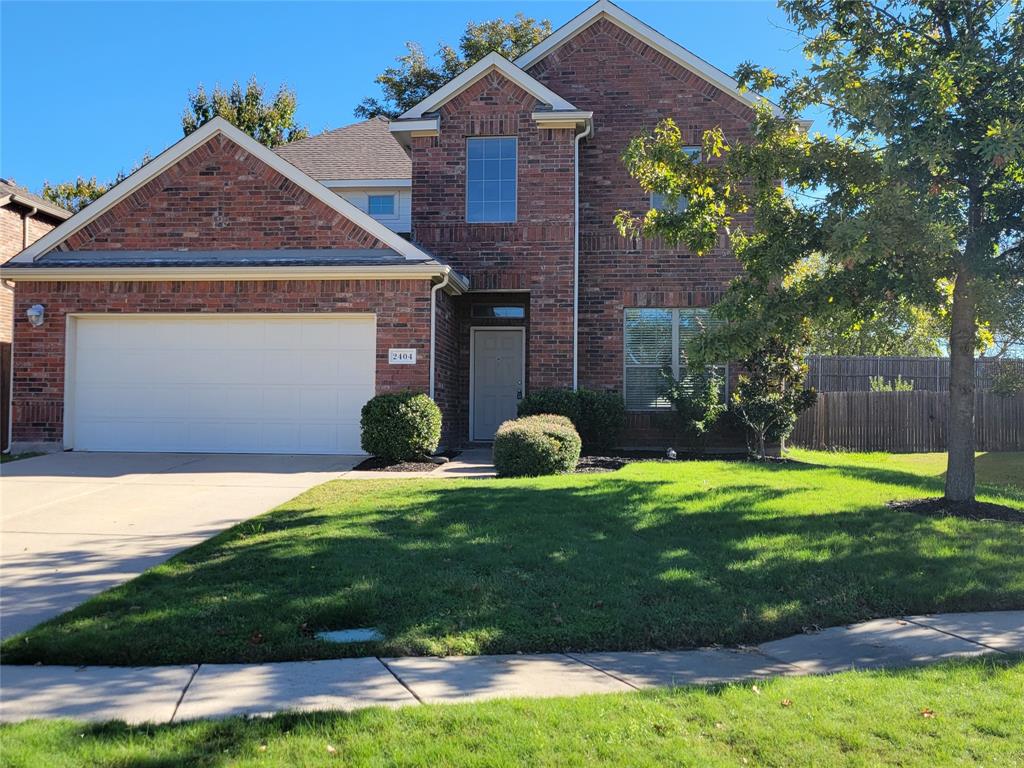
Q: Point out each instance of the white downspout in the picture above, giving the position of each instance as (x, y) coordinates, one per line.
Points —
(7, 284)
(433, 325)
(576, 258)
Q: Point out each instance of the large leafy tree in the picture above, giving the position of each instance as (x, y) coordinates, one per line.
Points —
(415, 76)
(270, 121)
(75, 195)
(921, 186)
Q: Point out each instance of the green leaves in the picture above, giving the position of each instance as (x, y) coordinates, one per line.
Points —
(271, 123)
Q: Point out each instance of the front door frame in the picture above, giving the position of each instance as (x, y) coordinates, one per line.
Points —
(472, 371)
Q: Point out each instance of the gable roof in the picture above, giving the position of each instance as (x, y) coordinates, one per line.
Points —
(12, 193)
(490, 63)
(177, 151)
(365, 150)
(604, 9)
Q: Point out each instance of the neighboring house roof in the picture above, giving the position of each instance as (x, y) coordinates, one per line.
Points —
(603, 9)
(365, 150)
(11, 192)
(174, 153)
(489, 63)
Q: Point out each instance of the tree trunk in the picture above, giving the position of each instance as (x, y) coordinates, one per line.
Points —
(960, 467)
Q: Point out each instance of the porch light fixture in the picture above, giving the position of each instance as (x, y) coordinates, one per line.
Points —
(36, 314)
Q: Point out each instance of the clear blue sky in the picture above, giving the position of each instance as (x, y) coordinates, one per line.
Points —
(89, 88)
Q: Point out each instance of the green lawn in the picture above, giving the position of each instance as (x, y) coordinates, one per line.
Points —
(6, 457)
(656, 555)
(957, 714)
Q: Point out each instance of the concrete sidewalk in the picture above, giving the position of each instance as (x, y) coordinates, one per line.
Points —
(174, 694)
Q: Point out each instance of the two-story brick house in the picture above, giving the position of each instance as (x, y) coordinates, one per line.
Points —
(229, 298)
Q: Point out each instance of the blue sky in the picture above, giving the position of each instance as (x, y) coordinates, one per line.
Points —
(89, 88)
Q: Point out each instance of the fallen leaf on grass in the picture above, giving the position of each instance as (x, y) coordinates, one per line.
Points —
(787, 702)
(927, 712)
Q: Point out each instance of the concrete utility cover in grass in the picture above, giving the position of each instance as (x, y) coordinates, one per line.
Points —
(360, 635)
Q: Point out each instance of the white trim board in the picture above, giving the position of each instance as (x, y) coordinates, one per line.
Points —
(193, 141)
(603, 9)
(490, 62)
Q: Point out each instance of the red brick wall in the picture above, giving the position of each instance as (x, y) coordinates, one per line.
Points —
(630, 87)
(402, 308)
(220, 197)
(11, 242)
(535, 251)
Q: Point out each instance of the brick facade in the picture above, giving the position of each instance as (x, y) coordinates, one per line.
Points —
(534, 253)
(13, 239)
(646, 88)
(402, 308)
(219, 197)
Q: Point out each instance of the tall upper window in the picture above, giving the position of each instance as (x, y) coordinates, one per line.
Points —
(655, 348)
(491, 179)
(660, 202)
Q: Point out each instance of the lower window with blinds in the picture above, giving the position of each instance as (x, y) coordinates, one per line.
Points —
(655, 348)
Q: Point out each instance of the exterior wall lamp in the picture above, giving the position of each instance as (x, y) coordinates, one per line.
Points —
(36, 314)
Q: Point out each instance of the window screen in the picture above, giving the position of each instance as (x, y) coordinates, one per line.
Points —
(655, 346)
(491, 179)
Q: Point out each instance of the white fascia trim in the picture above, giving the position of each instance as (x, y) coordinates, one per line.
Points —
(562, 119)
(424, 126)
(48, 208)
(603, 9)
(366, 183)
(147, 274)
(490, 62)
(193, 141)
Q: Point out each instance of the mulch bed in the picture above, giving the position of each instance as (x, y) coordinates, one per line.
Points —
(613, 462)
(378, 464)
(976, 510)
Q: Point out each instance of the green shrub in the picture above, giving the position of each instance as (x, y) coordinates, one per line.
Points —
(599, 417)
(546, 444)
(1008, 380)
(400, 426)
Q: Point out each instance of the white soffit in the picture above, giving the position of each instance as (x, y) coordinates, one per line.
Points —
(177, 151)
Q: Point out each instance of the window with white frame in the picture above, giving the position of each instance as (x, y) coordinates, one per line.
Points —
(654, 349)
(659, 201)
(491, 179)
(380, 205)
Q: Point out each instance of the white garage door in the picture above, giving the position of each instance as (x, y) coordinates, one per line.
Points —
(219, 383)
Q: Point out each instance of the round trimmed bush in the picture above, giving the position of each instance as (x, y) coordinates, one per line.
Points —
(536, 445)
(400, 426)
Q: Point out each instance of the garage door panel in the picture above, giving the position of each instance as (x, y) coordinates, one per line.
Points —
(211, 383)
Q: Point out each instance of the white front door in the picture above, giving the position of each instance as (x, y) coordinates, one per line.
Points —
(219, 382)
(498, 357)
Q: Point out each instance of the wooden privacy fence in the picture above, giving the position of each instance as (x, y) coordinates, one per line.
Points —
(905, 422)
(854, 374)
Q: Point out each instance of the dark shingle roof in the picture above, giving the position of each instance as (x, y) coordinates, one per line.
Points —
(9, 188)
(365, 150)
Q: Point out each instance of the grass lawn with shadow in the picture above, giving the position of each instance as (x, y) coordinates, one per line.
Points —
(656, 555)
(960, 713)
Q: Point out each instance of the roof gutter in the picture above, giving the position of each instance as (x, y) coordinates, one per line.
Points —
(576, 256)
(188, 273)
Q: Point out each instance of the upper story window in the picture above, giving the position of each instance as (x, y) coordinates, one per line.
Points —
(380, 205)
(660, 203)
(491, 179)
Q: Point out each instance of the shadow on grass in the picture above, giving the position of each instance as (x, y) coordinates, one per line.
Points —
(612, 562)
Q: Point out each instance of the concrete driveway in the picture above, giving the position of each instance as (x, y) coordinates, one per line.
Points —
(74, 524)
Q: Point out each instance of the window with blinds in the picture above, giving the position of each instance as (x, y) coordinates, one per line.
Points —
(654, 347)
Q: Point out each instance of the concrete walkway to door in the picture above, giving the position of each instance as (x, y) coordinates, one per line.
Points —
(74, 524)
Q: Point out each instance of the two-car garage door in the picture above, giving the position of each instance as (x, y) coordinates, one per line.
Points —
(219, 383)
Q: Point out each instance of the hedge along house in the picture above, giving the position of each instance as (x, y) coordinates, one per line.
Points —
(229, 298)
